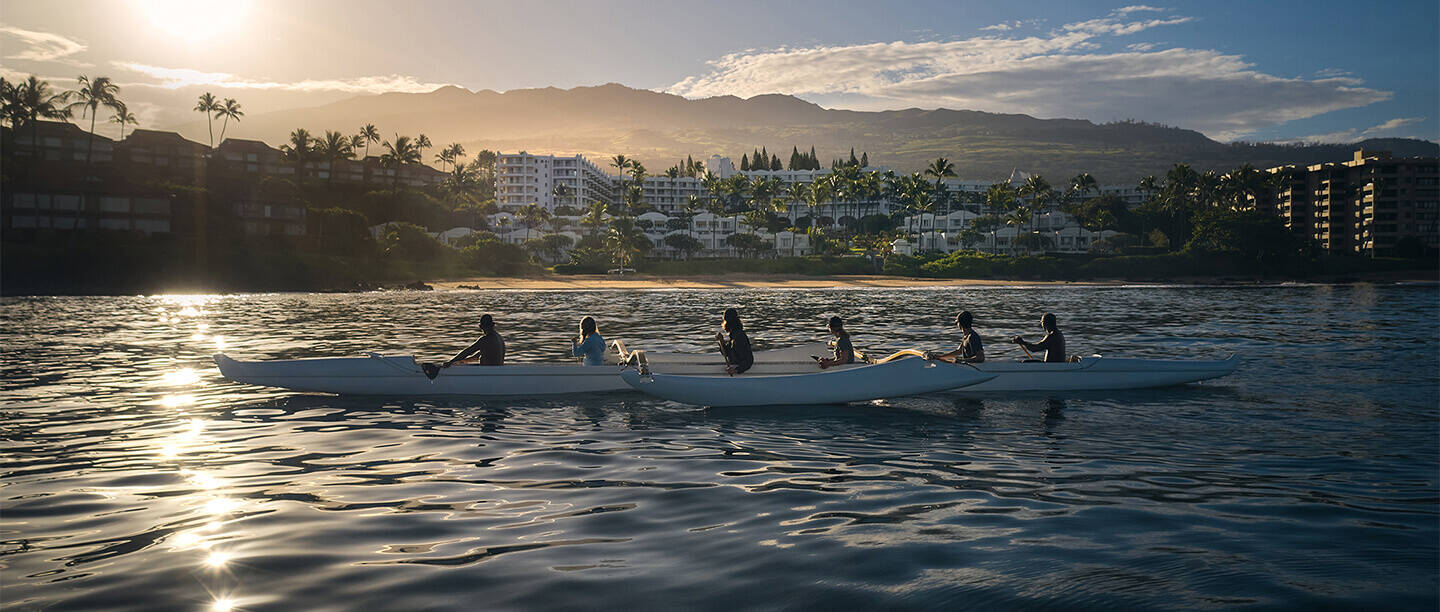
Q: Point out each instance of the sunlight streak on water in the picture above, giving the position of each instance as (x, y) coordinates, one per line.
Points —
(146, 481)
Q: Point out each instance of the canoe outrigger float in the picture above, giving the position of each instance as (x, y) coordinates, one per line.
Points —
(791, 368)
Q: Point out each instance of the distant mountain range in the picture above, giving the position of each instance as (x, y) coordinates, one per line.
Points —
(660, 129)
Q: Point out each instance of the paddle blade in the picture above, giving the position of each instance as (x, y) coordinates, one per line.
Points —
(431, 370)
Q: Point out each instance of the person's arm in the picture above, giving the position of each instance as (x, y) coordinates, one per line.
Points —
(951, 356)
(578, 349)
(462, 355)
(1045, 344)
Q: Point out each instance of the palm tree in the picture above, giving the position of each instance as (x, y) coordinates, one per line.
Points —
(532, 216)
(332, 148)
(621, 164)
(625, 241)
(1039, 191)
(561, 191)
(450, 154)
(299, 151)
(444, 158)
(33, 100)
(1083, 184)
(93, 94)
(369, 134)
(229, 110)
(401, 151)
(941, 169)
(422, 142)
(208, 104)
(123, 117)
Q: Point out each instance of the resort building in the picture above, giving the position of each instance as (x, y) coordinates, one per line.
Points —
(1373, 205)
(65, 179)
(522, 178)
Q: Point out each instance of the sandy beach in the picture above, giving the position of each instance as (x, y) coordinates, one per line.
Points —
(732, 281)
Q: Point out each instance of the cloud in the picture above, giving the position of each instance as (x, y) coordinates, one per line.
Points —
(176, 78)
(1140, 46)
(1392, 125)
(1126, 10)
(1062, 73)
(1388, 129)
(41, 46)
(1115, 27)
(1007, 26)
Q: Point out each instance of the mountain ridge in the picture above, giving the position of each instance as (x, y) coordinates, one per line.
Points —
(660, 128)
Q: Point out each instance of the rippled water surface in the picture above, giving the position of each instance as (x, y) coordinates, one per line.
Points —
(133, 477)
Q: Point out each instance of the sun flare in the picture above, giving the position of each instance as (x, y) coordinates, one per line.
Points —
(195, 22)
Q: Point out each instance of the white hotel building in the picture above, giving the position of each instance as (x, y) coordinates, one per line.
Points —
(522, 178)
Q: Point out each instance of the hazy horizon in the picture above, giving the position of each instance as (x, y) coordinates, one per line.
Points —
(1223, 69)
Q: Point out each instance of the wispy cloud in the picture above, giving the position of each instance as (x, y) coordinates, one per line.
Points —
(1136, 8)
(40, 46)
(176, 78)
(1394, 128)
(1062, 73)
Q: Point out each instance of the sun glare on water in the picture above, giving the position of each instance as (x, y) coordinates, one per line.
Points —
(195, 22)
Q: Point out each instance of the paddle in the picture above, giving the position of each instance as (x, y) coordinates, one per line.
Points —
(724, 354)
(431, 370)
(1022, 347)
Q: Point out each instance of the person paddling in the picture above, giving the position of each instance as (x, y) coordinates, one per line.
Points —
(489, 350)
(590, 346)
(737, 347)
(1053, 343)
(844, 351)
(971, 349)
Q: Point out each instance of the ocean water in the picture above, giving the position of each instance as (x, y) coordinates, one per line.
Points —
(134, 477)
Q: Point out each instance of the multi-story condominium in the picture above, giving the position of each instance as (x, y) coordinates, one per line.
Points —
(60, 141)
(522, 178)
(1373, 205)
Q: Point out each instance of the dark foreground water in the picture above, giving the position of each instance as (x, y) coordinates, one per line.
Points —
(134, 478)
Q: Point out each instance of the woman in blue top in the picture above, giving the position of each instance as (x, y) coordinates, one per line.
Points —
(590, 346)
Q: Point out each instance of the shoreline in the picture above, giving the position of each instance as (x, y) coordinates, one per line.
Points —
(646, 282)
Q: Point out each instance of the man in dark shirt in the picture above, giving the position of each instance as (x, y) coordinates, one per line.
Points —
(489, 350)
(1053, 343)
(971, 349)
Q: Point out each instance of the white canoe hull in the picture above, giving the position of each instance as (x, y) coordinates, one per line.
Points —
(1098, 373)
(867, 382)
(402, 375)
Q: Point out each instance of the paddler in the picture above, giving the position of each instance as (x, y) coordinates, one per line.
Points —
(489, 350)
(590, 345)
(971, 349)
(844, 351)
(1053, 343)
(737, 347)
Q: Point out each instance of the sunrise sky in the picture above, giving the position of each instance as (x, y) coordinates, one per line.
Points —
(1275, 71)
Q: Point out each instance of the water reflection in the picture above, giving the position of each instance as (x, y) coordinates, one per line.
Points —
(134, 478)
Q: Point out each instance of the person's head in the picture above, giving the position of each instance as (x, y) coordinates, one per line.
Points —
(964, 319)
(836, 325)
(587, 326)
(732, 320)
(1048, 322)
(487, 322)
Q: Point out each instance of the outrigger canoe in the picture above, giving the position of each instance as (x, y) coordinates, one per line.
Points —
(890, 378)
(378, 374)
